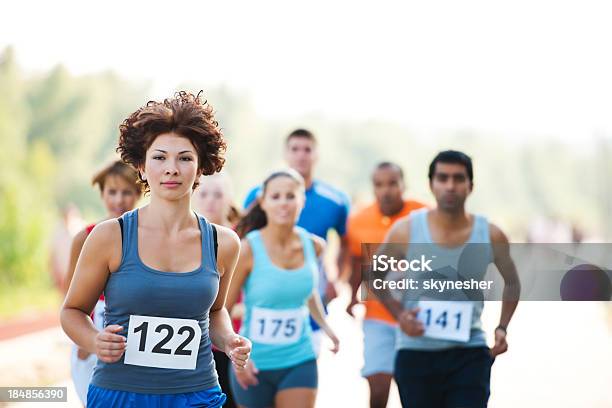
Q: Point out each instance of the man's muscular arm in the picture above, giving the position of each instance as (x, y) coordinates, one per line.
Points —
(395, 244)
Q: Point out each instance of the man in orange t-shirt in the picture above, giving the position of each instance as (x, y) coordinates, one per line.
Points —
(370, 225)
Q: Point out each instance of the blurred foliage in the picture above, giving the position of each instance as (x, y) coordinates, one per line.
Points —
(56, 129)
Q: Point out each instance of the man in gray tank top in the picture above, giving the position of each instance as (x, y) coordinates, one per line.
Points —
(443, 359)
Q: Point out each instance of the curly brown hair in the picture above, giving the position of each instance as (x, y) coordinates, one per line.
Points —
(184, 114)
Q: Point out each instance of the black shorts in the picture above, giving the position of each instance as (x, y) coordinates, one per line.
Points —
(223, 365)
(455, 378)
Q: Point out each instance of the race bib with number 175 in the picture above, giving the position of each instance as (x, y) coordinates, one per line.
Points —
(273, 326)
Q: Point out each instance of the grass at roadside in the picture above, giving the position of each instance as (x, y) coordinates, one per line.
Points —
(27, 300)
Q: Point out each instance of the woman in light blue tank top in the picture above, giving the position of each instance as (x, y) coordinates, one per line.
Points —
(164, 277)
(278, 272)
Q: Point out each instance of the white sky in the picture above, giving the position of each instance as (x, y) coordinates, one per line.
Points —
(517, 68)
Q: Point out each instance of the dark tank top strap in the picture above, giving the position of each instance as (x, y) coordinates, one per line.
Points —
(214, 229)
(121, 227)
(209, 258)
(129, 235)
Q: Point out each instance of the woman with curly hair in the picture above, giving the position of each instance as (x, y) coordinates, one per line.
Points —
(119, 191)
(164, 270)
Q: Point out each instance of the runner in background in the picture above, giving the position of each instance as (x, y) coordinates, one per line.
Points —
(213, 199)
(326, 209)
(443, 362)
(163, 268)
(61, 239)
(370, 225)
(119, 191)
(278, 272)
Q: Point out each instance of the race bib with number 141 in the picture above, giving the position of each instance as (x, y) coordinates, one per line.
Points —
(446, 320)
(163, 342)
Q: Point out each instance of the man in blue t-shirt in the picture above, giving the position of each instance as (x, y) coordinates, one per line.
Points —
(326, 208)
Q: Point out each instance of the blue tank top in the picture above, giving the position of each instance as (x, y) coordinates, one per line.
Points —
(275, 299)
(447, 264)
(136, 289)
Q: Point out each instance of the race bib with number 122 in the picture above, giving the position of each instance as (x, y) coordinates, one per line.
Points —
(163, 342)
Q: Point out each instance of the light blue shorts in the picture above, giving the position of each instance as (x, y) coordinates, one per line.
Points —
(103, 397)
(378, 347)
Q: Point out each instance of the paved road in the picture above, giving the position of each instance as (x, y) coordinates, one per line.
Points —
(560, 356)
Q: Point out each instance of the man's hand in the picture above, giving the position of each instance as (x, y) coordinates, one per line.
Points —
(349, 308)
(409, 324)
(501, 345)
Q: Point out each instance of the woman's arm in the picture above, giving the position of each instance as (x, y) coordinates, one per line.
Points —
(101, 253)
(75, 250)
(241, 273)
(314, 301)
(221, 331)
(316, 311)
(227, 256)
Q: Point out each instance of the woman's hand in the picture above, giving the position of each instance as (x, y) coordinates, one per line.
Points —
(238, 311)
(82, 354)
(238, 349)
(110, 346)
(334, 340)
(248, 375)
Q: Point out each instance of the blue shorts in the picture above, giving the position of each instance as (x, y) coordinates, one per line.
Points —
(303, 375)
(378, 347)
(103, 397)
(458, 377)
